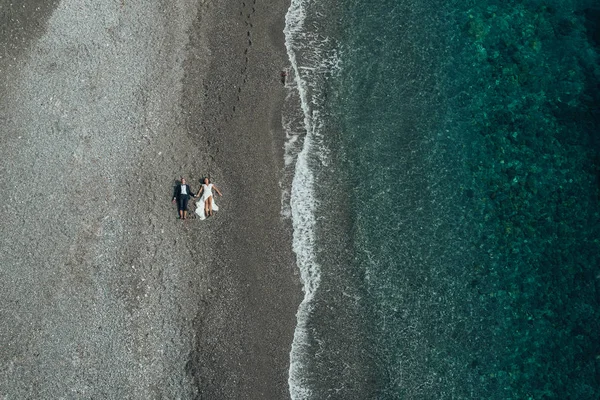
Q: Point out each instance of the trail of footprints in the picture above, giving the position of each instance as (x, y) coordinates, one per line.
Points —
(249, 25)
(244, 70)
(247, 10)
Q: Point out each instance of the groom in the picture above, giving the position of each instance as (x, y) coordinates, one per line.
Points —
(182, 194)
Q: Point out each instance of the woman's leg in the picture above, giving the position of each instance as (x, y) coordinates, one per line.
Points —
(206, 208)
(209, 201)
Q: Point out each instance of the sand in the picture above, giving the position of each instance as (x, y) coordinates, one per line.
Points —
(104, 293)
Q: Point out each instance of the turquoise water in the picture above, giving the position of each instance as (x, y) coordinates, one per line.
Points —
(446, 199)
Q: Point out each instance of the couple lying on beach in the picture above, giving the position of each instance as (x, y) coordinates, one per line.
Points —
(183, 192)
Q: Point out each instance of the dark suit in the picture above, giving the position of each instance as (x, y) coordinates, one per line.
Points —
(182, 199)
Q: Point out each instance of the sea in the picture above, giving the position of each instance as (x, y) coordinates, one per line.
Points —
(443, 183)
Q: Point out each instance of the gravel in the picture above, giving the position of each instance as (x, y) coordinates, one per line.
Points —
(94, 301)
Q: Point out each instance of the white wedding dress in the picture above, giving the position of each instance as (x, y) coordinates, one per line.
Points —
(206, 193)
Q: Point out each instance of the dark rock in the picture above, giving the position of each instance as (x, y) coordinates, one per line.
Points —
(530, 183)
(511, 173)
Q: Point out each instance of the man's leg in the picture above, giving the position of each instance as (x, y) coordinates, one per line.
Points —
(180, 206)
(184, 207)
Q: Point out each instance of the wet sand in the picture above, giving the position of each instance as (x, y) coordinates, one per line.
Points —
(105, 293)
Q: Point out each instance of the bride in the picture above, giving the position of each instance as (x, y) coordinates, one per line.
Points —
(207, 199)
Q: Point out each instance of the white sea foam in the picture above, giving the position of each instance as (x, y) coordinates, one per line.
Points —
(292, 121)
(302, 204)
(316, 60)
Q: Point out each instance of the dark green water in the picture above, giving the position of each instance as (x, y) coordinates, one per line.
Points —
(454, 155)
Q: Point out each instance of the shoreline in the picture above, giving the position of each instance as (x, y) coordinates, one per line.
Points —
(248, 322)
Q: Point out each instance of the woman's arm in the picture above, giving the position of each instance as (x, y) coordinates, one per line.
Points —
(217, 190)
(199, 191)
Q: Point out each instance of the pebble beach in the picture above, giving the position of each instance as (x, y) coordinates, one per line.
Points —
(104, 292)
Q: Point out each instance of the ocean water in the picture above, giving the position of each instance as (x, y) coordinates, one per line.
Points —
(444, 188)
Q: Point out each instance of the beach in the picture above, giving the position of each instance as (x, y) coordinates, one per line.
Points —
(106, 294)
(412, 213)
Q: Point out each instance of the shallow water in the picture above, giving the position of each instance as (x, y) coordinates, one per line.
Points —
(445, 199)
